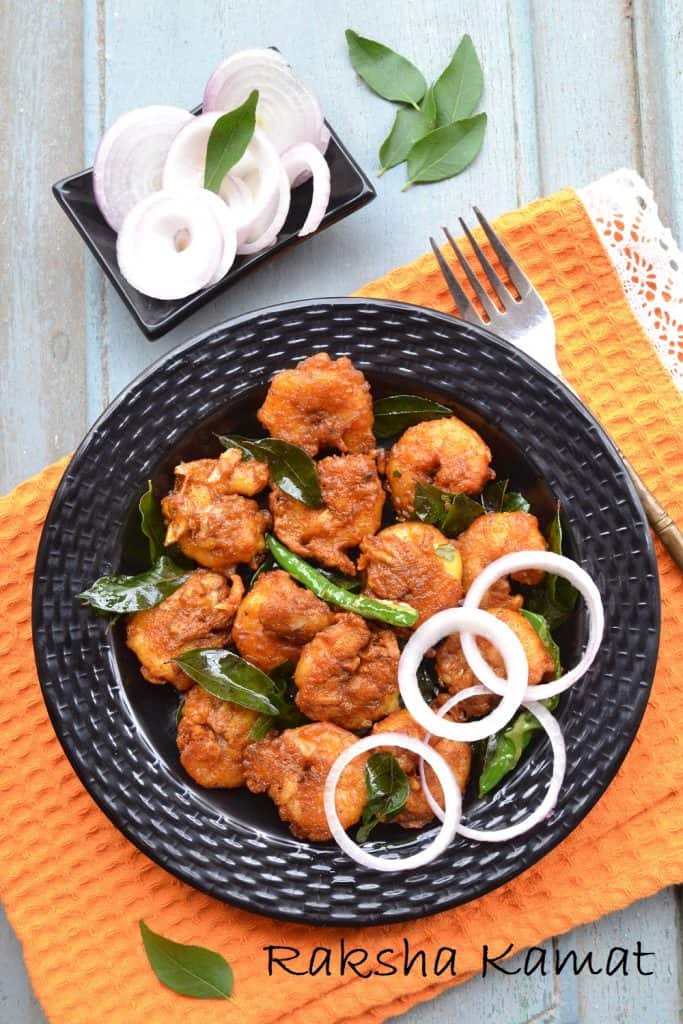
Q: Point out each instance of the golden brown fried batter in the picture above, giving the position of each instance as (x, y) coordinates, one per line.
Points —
(415, 563)
(458, 756)
(276, 619)
(455, 674)
(208, 516)
(198, 614)
(212, 737)
(353, 498)
(348, 674)
(490, 537)
(446, 453)
(292, 769)
(323, 403)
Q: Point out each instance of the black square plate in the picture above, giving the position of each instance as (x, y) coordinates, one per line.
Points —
(350, 190)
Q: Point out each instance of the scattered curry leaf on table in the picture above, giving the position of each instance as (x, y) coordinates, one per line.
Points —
(386, 72)
(188, 970)
(123, 594)
(228, 141)
(458, 88)
(409, 126)
(446, 151)
(396, 412)
(291, 468)
(387, 790)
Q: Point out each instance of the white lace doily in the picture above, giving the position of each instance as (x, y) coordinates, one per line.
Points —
(647, 259)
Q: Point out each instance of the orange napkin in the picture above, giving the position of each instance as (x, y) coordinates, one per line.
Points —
(74, 888)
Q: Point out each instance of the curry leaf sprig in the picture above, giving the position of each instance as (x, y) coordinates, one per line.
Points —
(291, 468)
(228, 141)
(434, 132)
(453, 513)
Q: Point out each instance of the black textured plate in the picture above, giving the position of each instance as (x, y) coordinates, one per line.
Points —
(119, 732)
(350, 190)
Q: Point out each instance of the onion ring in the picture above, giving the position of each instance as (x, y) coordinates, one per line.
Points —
(450, 817)
(457, 620)
(269, 235)
(560, 566)
(304, 157)
(501, 835)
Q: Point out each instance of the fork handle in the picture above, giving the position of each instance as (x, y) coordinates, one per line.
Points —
(660, 520)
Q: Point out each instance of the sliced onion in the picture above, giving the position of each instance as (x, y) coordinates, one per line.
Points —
(444, 774)
(286, 110)
(186, 159)
(261, 171)
(460, 620)
(273, 228)
(295, 161)
(324, 139)
(130, 158)
(237, 195)
(502, 835)
(226, 223)
(170, 244)
(560, 566)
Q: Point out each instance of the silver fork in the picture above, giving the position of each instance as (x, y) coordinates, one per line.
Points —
(526, 323)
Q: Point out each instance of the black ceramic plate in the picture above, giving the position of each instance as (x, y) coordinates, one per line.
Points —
(350, 190)
(119, 732)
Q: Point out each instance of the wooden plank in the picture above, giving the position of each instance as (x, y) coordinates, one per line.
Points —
(587, 112)
(42, 350)
(656, 924)
(658, 39)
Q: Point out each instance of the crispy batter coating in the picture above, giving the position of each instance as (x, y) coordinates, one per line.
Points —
(323, 403)
(490, 537)
(198, 614)
(353, 498)
(455, 674)
(276, 619)
(292, 769)
(415, 563)
(208, 516)
(212, 737)
(348, 674)
(446, 453)
(458, 756)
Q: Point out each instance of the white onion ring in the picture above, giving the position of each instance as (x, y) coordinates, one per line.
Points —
(130, 158)
(560, 566)
(287, 111)
(236, 193)
(502, 835)
(148, 251)
(260, 170)
(449, 819)
(457, 620)
(186, 160)
(324, 140)
(295, 161)
(226, 223)
(273, 228)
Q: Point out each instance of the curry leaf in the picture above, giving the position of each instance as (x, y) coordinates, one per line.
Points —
(291, 468)
(459, 87)
(451, 513)
(229, 677)
(497, 498)
(409, 126)
(554, 597)
(188, 970)
(152, 524)
(543, 629)
(122, 594)
(385, 71)
(228, 140)
(387, 789)
(446, 151)
(396, 412)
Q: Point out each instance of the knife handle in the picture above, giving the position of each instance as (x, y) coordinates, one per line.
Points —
(659, 519)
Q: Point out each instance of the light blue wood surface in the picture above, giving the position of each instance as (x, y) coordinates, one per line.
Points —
(573, 90)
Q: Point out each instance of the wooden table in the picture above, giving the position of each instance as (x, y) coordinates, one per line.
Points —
(574, 89)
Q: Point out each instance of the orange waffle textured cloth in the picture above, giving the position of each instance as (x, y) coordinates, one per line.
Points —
(74, 888)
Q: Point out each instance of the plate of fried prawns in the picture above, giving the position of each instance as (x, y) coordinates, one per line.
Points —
(257, 585)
